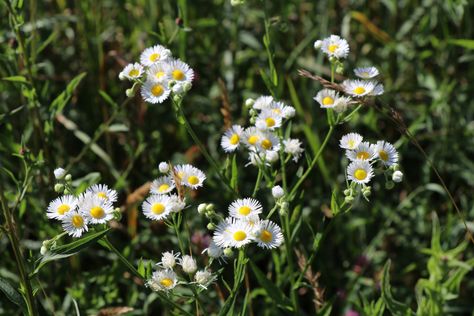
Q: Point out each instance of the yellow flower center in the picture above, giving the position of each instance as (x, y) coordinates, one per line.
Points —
(359, 90)
(362, 155)
(133, 73)
(77, 221)
(63, 208)
(360, 174)
(383, 155)
(253, 139)
(159, 74)
(234, 139)
(166, 282)
(157, 90)
(332, 48)
(240, 235)
(267, 144)
(328, 101)
(364, 74)
(351, 143)
(270, 122)
(244, 210)
(193, 180)
(97, 212)
(102, 195)
(163, 188)
(277, 111)
(266, 236)
(178, 75)
(158, 208)
(154, 57)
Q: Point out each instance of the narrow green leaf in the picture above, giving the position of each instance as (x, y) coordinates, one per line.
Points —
(466, 43)
(19, 79)
(63, 98)
(395, 307)
(11, 293)
(235, 173)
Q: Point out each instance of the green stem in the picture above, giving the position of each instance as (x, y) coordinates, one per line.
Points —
(124, 260)
(282, 162)
(25, 281)
(313, 163)
(257, 183)
(176, 230)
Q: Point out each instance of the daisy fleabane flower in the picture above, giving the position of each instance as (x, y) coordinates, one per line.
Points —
(282, 110)
(360, 171)
(326, 98)
(179, 71)
(74, 224)
(102, 191)
(335, 46)
(60, 206)
(163, 280)
(243, 208)
(293, 147)
(350, 141)
(162, 185)
(263, 102)
(131, 72)
(268, 120)
(168, 260)
(233, 233)
(157, 207)
(366, 72)
(230, 141)
(358, 88)
(268, 235)
(155, 91)
(154, 54)
(192, 177)
(158, 72)
(188, 263)
(364, 151)
(97, 210)
(268, 142)
(386, 152)
(204, 278)
(213, 250)
(251, 137)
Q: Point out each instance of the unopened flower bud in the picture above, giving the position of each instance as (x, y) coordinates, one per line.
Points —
(277, 192)
(59, 173)
(332, 59)
(366, 191)
(188, 264)
(210, 207)
(284, 208)
(348, 199)
(211, 226)
(347, 192)
(68, 178)
(187, 86)
(318, 44)
(58, 187)
(130, 93)
(249, 102)
(397, 176)
(340, 69)
(228, 252)
(164, 167)
(202, 208)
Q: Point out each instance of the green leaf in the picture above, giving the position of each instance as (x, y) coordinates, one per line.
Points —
(395, 307)
(272, 290)
(235, 173)
(334, 204)
(107, 98)
(466, 43)
(11, 293)
(19, 79)
(61, 100)
(69, 249)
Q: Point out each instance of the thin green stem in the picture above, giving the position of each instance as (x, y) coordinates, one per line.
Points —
(25, 281)
(122, 259)
(176, 230)
(311, 166)
(257, 183)
(282, 162)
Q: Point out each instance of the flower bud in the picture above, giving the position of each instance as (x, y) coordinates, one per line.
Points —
(59, 173)
(203, 277)
(348, 199)
(210, 207)
(188, 264)
(68, 178)
(389, 185)
(397, 176)
(228, 252)
(122, 76)
(317, 44)
(211, 226)
(164, 167)
(58, 187)
(284, 208)
(332, 59)
(277, 192)
(187, 86)
(202, 208)
(249, 102)
(366, 192)
(340, 69)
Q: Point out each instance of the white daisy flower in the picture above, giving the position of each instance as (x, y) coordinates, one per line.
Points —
(268, 235)
(158, 72)
(253, 221)
(103, 191)
(154, 54)
(386, 152)
(335, 46)
(96, 209)
(204, 278)
(268, 141)
(326, 98)
(162, 185)
(188, 263)
(293, 147)
(262, 158)
(268, 120)
(179, 71)
(163, 280)
(366, 72)
(251, 137)
(263, 102)
(214, 251)
(233, 233)
(282, 110)
(59, 173)
(192, 177)
(168, 259)
(360, 171)
(358, 88)
(365, 151)
(155, 92)
(350, 141)
(74, 224)
(157, 207)
(244, 208)
(131, 72)
(231, 139)
(378, 89)
(60, 206)
(176, 203)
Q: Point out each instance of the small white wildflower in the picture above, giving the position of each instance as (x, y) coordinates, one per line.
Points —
(318, 44)
(131, 72)
(164, 167)
(60, 206)
(74, 224)
(102, 191)
(366, 72)
(350, 141)
(230, 141)
(364, 151)
(204, 278)
(386, 153)
(233, 233)
(214, 251)
(155, 92)
(162, 185)
(59, 173)
(188, 264)
(358, 88)
(397, 176)
(154, 55)
(335, 46)
(168, 259)
(293, 147)
(242, 208)
(277, 192)
(360, 171)
(268, 235)
(263, 102)
(163, 280)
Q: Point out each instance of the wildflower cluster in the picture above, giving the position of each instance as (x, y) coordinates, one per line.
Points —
(244, 226)
(162, 202)
(166, 277)
(263, 139)
(159, 75)
(77, 212)
(364, 156)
